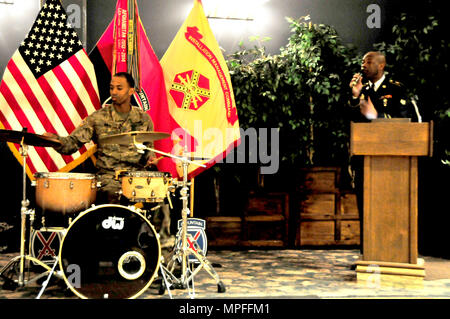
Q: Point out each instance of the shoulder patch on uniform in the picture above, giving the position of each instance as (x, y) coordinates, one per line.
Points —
(397, 83)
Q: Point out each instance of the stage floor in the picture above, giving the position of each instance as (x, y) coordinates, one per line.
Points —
(274, 274)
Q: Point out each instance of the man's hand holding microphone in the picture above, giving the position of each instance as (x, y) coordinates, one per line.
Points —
(366, 106)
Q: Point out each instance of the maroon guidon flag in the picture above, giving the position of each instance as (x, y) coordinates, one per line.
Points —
(124, 46)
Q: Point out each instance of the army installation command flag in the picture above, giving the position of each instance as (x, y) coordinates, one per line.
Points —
(124, 46)
(49, 85)
(200, 95)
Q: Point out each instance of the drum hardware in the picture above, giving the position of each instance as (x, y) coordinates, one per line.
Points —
(187, 276)
(24, 139)
(155, 208)
(168, 278)
(118, 172)
(45, 283)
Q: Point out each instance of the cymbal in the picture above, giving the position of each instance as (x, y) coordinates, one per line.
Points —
(28, 138)
(128, 138)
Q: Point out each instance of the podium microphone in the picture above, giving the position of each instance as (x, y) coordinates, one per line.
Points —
(416, 108)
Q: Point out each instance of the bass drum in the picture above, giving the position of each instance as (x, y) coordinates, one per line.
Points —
(109, 251)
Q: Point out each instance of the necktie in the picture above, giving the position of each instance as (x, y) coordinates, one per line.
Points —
(371, 90)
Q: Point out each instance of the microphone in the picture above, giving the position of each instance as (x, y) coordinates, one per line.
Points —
(356, 80)
(416, 108)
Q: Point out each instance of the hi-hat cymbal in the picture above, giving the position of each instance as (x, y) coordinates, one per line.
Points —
(131, 137)
(28, 138)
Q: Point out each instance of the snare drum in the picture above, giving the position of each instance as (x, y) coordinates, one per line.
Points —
(65, 193)
(145, 186)
(109, 251)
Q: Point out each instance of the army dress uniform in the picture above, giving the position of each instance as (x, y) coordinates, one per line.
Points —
(110, 157)
(389, 99)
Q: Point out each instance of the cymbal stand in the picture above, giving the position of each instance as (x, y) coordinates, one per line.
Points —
(168, 278)
(183, 252)
(24, 212)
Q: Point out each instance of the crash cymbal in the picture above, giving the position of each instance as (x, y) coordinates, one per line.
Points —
(28, 138)
(130, 137)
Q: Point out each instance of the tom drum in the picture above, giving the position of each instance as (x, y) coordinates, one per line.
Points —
(65, 193)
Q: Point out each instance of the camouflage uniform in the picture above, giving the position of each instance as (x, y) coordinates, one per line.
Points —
(110, 157)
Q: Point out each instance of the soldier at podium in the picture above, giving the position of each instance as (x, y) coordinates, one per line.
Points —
(377, 96)
(374, 96)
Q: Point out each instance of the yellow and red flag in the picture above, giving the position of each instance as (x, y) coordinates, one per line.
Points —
(200, 95)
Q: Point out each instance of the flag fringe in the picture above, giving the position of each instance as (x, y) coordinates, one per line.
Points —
(89, 153)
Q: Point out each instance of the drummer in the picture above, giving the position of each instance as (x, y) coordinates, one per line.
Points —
(118, 117)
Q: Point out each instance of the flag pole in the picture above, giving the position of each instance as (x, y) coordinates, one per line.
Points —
(311, 126)
(192, 196)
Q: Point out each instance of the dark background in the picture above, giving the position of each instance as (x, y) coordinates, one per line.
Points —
(162, 19)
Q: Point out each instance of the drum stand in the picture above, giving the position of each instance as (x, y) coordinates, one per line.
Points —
(185, 250)
(20, 260)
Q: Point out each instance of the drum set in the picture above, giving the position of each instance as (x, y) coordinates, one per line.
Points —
(108, 250)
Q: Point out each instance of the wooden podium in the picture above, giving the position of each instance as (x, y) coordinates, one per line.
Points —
(390, 148)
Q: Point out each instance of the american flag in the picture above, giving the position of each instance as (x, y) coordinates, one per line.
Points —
(49, 85)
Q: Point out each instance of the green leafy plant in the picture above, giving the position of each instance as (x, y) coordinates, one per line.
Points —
(303, 91)
(417, 52)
